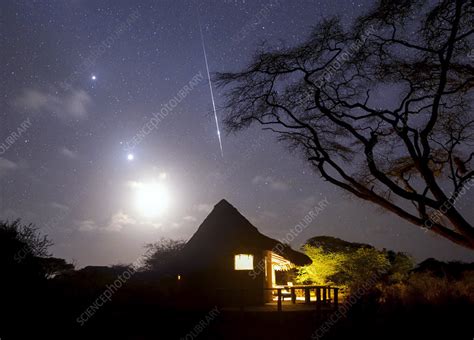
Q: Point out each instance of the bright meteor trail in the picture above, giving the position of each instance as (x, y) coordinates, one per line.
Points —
(212, 92)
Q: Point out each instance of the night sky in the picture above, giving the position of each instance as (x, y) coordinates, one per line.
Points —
(80, 78)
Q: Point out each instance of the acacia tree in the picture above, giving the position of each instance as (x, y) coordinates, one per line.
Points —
(381, 109)
(161, 254)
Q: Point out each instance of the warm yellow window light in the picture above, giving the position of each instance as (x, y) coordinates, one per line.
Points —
(243, 262)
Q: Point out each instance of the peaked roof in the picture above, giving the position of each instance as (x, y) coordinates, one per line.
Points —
(226, 230)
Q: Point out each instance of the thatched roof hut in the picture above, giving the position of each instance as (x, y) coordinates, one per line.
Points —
(228, 252)
(225, 230)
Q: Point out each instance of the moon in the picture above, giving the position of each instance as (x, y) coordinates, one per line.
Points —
(130, 157)
(151, 199)
(94, 77)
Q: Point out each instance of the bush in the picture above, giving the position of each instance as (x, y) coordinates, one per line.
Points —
(427, 288)
(351, 267)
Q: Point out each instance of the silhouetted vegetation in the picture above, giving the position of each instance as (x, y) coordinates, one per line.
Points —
(26, 269)
(349, 265)
(48, 294)
(381, 109)
(325, 97)
(427, 299)
(160, 254)
(24, 253)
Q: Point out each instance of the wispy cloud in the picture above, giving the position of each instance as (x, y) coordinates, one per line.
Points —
(86, 225)
(190, 218)
(6, 166)
(272, 182)
(68, 153)
(59, 206)
(265, 217)
(119, 221)
(204, 207)
(72, 104)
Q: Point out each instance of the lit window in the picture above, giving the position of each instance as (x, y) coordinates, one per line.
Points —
(243, 262)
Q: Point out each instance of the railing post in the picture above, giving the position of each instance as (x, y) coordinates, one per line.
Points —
(279, 299)
(318, 298)
(293, 295)
(307, 295)
(336, 298)
(325, 295)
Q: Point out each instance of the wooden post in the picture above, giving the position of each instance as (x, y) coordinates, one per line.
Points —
(336, 298)
(325, 295)
(318, 298)
(329, 293)
(279, 299)
(293, 295)
(307, 295)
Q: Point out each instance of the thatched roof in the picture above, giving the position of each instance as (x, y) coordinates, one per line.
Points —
(225, 230)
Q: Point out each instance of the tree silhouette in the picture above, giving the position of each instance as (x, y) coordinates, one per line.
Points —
(24, 254)
(382, 109)
(53, 266)
(20, 248)
(161, 254)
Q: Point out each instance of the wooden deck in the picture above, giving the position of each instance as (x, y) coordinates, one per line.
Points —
(287, 307)
(290, 299)
(323, 296)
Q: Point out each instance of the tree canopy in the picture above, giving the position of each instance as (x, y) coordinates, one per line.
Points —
(160, 255)
(382, 109)
(352, 265)
(24, 253)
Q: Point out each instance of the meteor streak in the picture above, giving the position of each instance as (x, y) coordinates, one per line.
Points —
(210, 88)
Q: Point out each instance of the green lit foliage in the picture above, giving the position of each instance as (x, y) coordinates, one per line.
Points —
(400, 266)
(324, 267)
(352, 266)
(362, 265)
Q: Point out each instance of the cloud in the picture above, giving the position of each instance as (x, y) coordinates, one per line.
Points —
(274, 184)
(306, 204)
(59, 206)
(34, 100)
(204, 207)
(265, 217)
(8, 214)
(119, 221)
(72, 104)
(86, 225)
(6, 166)
(77, 103)
(190, 218)
(68, 153)
(116, 223)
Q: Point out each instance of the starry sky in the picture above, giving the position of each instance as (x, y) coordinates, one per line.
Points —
(80, 79)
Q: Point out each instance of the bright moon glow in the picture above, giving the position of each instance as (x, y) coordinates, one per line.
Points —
(151, 199)
(94, 77)
(130, 157)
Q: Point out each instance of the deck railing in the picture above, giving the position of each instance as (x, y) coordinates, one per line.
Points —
(326, 297)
